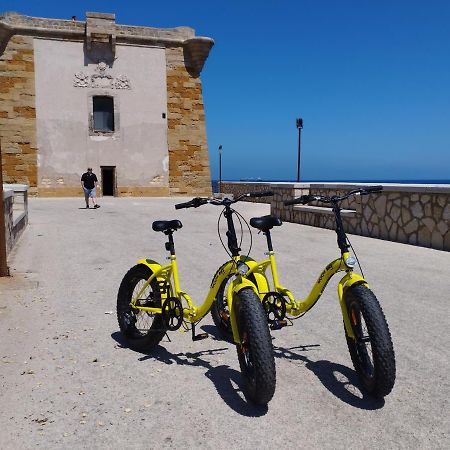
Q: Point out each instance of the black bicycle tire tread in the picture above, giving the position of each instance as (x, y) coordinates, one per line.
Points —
(157, 330)
(252, 311)
(381, 342)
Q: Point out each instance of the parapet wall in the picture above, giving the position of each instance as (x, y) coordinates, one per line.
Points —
(411, 214)
(15, 204)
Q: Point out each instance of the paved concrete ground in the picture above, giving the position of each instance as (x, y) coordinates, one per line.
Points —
(68, 381)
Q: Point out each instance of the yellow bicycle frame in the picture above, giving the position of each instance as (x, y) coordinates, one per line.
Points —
(167, 277)
(297, 307)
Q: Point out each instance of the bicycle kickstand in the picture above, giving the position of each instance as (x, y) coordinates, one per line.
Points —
(199, 336)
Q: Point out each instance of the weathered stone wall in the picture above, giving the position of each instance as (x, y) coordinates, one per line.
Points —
(18, 112)
(67, 144)
(189, 172)
(243, 187)
(184, 55)
(411, 214)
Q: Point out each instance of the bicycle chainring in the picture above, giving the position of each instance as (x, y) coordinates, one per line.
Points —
(275, 307)
(172, 313)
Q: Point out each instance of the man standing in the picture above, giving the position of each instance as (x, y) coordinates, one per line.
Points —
(89, 183)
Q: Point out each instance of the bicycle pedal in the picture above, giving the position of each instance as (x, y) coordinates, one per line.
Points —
(200, 336)
(278, 325)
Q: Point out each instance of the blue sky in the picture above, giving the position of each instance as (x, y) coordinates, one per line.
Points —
(371, 79)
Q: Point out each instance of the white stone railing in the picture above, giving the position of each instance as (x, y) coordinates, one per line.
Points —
(407, 213)
(15, 203)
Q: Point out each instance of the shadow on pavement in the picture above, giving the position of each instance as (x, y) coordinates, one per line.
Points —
(213, 332)
(338, 379)
(226, 380)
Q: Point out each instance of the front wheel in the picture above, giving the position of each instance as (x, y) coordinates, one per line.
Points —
(255, 353)
(372, 351)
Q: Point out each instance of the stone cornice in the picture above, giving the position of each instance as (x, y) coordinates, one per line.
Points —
(196, 48)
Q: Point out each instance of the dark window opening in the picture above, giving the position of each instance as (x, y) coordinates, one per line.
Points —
(103, 113)
(108, 180)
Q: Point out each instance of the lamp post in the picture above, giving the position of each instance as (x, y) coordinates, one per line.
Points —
(299, 124)
(220, 169)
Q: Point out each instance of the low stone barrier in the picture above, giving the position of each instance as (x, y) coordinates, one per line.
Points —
(15, 203)
(241, 187)
(407, 213)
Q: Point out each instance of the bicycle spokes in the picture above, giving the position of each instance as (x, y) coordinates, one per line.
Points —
(363, 343)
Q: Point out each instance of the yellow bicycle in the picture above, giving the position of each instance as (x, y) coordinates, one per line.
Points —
(150, 302)
(366, 330)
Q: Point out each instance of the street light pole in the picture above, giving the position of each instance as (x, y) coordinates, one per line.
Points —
(220, 169)
(4, 271)
(299, 123)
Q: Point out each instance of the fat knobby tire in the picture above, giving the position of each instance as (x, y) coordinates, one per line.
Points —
(380, 380)
(256, 357)
(126, 315)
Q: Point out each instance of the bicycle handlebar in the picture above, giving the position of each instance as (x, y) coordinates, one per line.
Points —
(199, 201)
(194, 203)
(305, 199)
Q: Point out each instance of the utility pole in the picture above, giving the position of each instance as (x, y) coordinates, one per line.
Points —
(299, 123)
(4, 271)
(220, 169)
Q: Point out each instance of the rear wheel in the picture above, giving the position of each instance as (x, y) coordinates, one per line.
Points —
(372, 351)
(255, 353)
(219, 309)
(220, 313)
(142, 330)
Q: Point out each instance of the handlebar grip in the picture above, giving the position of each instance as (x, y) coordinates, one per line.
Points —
(184, 205)
(194, 203)
(303, 200)
(373, 189)
(261, 194)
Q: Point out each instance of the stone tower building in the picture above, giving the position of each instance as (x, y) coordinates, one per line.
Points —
(125, 100)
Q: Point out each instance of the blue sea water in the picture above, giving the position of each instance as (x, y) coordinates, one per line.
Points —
(215, 183)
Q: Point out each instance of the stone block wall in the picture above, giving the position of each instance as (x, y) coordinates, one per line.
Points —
(18, 112)
(186, 53)
(189, 172)
(243, 187)
(410, 214)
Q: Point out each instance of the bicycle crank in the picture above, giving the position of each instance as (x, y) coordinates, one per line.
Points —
(172, 313)
(275, 307)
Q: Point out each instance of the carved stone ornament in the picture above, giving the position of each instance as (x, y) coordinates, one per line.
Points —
(81, 80)
(101, 79)
(122, 82)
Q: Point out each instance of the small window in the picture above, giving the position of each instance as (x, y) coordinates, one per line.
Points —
(103, 113)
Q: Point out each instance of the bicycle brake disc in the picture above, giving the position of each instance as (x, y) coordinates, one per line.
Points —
(275, 307)
(172, 313)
